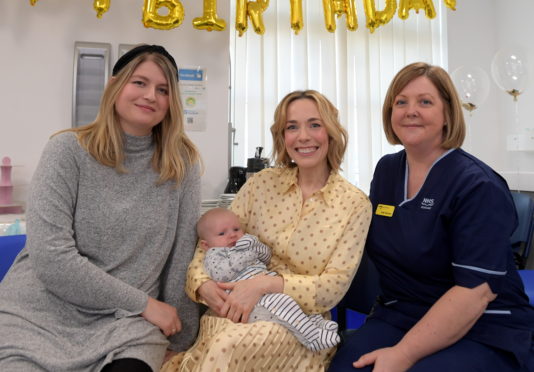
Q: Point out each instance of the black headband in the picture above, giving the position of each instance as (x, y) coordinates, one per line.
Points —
(145, 48)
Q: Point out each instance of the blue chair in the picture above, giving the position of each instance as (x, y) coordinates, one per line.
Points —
(528, 281)
(10, 246)
(361, 296)
(522, 239)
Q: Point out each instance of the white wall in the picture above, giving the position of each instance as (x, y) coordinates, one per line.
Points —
(476, 31)
(37, 59)
(36, 64)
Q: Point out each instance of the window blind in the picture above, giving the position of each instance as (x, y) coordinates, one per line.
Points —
(352, 68)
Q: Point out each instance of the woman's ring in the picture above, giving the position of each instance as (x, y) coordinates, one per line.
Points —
(173, 330)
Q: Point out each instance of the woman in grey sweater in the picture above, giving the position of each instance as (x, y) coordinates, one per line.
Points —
(110, 232)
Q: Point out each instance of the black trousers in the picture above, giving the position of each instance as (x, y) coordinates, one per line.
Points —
(127, 365)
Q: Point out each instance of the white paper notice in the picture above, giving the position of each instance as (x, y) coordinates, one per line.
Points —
(193, 91)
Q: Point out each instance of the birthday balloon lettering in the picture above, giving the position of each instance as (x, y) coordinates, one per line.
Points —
(209, 20)
(333, 8)
(450, 4)
(101, 6)
(252, 9)
(255, 12)
(241, 22)
(169, 14)
(376, 18)
(297, 21)
(406, 5)
(152, 17)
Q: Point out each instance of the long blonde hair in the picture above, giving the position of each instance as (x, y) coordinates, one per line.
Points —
(103, 139)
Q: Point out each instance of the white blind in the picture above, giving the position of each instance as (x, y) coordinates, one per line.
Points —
(352, 68)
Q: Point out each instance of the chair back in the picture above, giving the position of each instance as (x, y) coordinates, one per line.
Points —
(10, 246)
(521, 239)
(362, 293)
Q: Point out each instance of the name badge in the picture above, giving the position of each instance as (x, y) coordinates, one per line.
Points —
(385, 210)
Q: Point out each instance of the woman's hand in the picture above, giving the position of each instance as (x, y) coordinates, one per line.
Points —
(388, 359)
(246, 294)
(447, 321)
(162, 315)
(213, 296)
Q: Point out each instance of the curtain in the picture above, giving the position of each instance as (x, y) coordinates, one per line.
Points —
(352, 68)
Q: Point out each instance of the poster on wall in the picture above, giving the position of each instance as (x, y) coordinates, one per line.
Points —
(193, 91)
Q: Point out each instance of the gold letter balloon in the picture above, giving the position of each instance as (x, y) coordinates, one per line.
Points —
(406, 5)
(450, 4)
(241, 22)
(209, 20)
(173, 18)
(32, 2)
(252, 9)
(255, 12)
(296, 16)
(101, 6)
(376, 18)
(333, 8)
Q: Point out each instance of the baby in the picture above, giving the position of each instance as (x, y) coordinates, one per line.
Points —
(232, 255)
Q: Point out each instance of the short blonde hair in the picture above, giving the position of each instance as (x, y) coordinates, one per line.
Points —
(103, 139)
(337, 135)
(454, 130)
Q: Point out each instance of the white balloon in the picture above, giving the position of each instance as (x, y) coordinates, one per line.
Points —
(509, 71)
(472, 84)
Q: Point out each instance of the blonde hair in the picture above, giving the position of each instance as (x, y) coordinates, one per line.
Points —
(103, 139)
(454, 130)
(337, 135)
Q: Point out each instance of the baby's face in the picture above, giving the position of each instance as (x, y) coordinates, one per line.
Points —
(225, 231)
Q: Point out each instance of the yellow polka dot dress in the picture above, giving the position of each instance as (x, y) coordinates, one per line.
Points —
(317, 246)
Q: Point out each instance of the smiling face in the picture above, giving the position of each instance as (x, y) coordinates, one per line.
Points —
(305, 136)
(222, 229)
(417, 116)
(144, 100)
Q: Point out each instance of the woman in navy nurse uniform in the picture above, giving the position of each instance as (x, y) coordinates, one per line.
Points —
(451, 297)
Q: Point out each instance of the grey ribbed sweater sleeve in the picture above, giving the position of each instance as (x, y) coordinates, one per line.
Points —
(51, 243)
(173, 278)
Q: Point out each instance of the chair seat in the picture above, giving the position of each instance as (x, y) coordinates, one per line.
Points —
(528, 281)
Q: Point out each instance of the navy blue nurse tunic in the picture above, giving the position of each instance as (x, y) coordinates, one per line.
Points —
(455, 231)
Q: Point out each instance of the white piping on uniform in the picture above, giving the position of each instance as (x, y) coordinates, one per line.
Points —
(485, 271)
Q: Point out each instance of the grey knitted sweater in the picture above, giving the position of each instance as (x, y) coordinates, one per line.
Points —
(98, 244)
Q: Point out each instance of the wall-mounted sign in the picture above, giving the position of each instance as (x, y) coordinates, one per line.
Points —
(192, 81)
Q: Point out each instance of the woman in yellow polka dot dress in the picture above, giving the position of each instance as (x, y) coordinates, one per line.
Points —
(316, 223)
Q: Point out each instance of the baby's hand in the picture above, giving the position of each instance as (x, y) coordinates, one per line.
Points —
(203, 245)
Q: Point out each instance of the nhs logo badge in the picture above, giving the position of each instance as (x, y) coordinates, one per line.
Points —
(427, 203)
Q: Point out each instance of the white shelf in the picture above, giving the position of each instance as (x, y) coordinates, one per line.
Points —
(520, 142)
